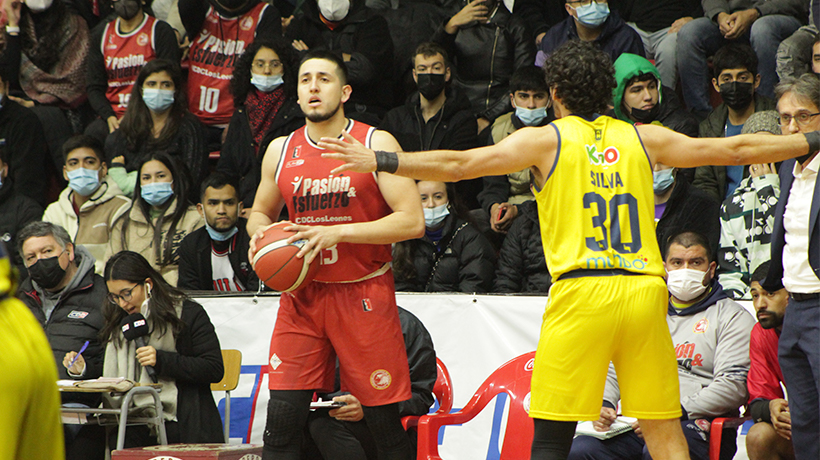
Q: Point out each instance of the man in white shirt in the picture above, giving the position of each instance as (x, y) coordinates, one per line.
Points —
(796, 260)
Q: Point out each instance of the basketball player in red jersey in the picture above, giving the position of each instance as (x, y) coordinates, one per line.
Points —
(349, 310)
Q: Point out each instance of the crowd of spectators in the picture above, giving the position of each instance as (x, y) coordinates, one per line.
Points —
(141, 126)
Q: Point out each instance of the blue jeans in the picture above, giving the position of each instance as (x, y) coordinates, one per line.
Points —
(799, 355)
(701, 38)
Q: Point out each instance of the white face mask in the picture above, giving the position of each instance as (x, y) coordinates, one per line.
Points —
(38, 6)
(434, 216)
(334, 10)
(685, 283)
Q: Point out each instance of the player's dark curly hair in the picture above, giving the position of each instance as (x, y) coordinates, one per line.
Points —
(583, 77)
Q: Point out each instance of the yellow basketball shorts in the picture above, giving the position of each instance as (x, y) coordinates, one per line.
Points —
(590, 321)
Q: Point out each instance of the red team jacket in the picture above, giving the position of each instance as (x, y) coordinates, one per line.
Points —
(124, 57)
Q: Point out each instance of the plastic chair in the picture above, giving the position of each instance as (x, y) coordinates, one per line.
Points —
(443, 389)
(512, 378)
(232, 362)
(716, 433)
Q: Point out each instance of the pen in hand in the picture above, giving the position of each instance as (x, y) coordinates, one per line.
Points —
(82, 349)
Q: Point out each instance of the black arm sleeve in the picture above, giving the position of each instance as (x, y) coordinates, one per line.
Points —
(192, 13)
(422, 360)
(202, 360)
(10, 59)
(759, 410)
(165, 42)
(372, 53)
(188, 263)
(270, 26)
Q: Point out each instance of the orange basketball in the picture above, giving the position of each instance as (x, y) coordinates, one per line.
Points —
(276, 264)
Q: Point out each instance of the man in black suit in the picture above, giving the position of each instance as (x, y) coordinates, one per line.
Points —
(796, 261)
(215, 257)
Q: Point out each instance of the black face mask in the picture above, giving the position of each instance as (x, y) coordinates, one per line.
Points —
(430, 84)
(737, 95)
(646, 116)
(126, 9)
(47, 272)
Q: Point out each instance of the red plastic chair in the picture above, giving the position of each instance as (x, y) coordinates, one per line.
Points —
(512, 378)
(716, 433)
(443, 389)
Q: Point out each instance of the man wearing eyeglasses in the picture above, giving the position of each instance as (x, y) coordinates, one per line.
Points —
(796, 261)
(66, 297)
(591, 21)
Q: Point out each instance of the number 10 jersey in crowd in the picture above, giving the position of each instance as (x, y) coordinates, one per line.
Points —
(602, 175)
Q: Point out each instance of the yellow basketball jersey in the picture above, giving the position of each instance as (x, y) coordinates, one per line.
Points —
(597, 206)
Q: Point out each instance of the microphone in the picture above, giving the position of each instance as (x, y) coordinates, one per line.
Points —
(134, 327)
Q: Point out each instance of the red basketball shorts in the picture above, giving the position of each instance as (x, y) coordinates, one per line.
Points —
(359, 323)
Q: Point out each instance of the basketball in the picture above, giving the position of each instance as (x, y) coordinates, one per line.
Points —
(276, 264)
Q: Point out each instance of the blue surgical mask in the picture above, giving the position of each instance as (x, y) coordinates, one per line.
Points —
(84, 181)
(594, 14)
(158, 100)
(662, 180)
(266, 83)
(435, 216)
(531, 117)
(216, 235)
(156, 193)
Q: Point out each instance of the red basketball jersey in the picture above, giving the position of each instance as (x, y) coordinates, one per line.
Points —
(212, 55)
(124, 55)
(316, 197)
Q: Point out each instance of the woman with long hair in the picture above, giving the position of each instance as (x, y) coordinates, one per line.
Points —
(182, 348)
(160, 215)
(157, 119)
(264, 92)
(452, 256)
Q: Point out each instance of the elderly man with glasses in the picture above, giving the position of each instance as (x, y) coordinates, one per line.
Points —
(796, 262)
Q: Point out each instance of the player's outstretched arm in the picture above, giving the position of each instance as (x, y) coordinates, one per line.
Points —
(674, 149)
(268, 202)
(525, 148)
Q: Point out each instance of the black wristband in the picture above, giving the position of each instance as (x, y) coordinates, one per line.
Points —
(387, 161)
(813, 138)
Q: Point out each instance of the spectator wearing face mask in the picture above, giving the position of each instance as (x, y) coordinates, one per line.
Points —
(362, 39)
(737, 80)
(157, 119)
(117, 53)
(438, 116)
(680, 206)
(264, 90)
(501, 195)
(641, 97)
(453, 256)
(160, 216)
(88, 207)
(591, 21)
(220, 30)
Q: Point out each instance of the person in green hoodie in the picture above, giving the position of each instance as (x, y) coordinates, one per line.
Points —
(640, 97)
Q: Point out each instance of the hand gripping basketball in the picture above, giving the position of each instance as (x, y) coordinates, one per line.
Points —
(275, 261)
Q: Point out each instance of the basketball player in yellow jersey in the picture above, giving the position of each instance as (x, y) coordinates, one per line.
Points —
(593, 181)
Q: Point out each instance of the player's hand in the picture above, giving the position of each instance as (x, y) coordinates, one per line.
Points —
(680, 22)
(762, 169)
(113, 124)
(781, 418)
(354, 154)
(352, 412)
(299, 45)
(608, 416)
(476, 10)
(508, 212)
(741, 22)
(636, 427)
(318, 237)
(147, 356)
(78, 367)
(258, 234)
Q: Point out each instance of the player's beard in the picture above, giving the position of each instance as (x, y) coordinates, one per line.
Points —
(315, 117)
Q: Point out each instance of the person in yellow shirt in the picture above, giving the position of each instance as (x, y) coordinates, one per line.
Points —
(592, 176)
(30, 425)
